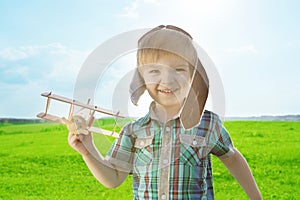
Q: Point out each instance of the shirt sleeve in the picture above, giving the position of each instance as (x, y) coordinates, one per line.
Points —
(121, 153)
(221, 143)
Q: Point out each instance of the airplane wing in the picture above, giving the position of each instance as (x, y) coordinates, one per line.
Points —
(53, 118)
(77, 103)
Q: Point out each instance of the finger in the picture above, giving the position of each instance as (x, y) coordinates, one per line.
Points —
(74, 139)
(65, 120)
(80, 137)
(71, 135)
(86, 137)
(71, 138)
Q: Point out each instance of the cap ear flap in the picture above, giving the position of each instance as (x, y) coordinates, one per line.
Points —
(137, 87)
(194, 105)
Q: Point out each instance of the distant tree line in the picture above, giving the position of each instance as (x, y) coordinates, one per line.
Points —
(19, 120)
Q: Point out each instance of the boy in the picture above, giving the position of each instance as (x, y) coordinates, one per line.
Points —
(169, 150)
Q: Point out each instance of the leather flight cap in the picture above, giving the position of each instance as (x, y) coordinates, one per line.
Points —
(175, 40)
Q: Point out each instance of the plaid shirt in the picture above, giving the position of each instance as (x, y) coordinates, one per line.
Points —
(168, 162)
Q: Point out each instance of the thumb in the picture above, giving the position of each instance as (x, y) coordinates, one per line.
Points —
(66, 122)
(70, 125)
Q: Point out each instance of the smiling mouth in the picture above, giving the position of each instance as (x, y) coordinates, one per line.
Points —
(167, 91)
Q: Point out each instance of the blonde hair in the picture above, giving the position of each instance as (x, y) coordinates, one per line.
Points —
(150, 56)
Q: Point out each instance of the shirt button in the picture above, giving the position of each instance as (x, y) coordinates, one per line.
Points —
(163, 196)
(194, 142)
(168, 129)
(165, 161)
(142, 143)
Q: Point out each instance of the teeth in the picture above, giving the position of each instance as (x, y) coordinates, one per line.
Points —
(166, 91)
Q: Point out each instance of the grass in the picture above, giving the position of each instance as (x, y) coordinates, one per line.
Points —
(37, 163)
(273, 154)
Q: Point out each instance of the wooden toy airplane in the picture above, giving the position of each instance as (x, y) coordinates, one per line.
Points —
(77, 122)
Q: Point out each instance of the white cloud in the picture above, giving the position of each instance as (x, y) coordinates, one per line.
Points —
(23, 52)
(199, 17)
(20, 70)
(130, 10)
(53, 62)
(13, 54)
(189, 9)
(30, 70)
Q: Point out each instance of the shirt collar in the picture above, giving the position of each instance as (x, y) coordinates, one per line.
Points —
(151, 115)
(146, 119)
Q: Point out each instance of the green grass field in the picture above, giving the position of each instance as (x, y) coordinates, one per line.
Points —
(37, 163)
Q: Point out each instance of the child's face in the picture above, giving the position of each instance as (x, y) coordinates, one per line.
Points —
(168, 80)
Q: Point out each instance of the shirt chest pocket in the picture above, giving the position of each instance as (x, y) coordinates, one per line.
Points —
(192, 149)
(143, 151)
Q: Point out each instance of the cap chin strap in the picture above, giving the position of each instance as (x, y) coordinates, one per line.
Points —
(190, 86)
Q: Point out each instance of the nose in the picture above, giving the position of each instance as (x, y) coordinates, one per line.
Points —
(168, 76)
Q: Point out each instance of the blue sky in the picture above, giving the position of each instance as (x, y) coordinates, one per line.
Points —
(254, 44)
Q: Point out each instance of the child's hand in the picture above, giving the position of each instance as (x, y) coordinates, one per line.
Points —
(79, 137)
(76, 142)
(76, 125)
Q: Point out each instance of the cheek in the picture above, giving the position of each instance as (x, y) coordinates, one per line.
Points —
(184, 80)
(152, 90)
(185, 76)
(185, 84)
(151, 87)
(151, 80)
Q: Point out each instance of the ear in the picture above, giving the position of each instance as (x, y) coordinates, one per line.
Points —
(137, 87)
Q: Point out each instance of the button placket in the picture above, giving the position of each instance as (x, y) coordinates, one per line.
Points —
(194, 142)
(163, 196)
(165, 158)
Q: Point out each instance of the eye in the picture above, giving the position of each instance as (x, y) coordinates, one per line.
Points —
(180, 69)
(154, 71)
